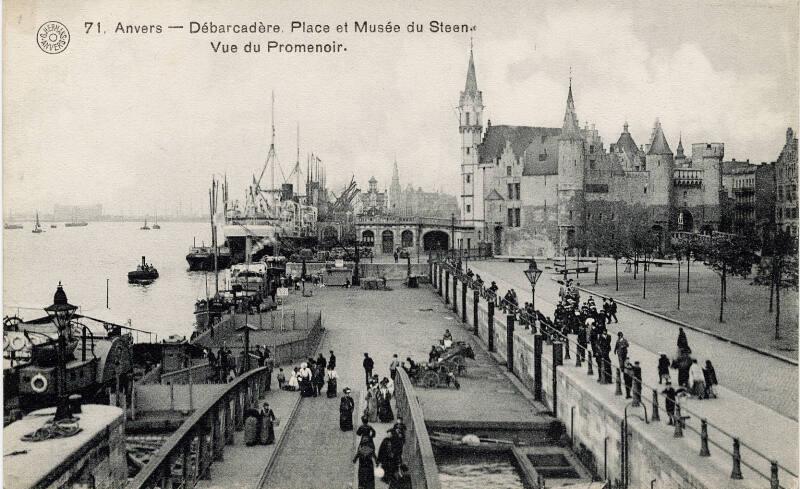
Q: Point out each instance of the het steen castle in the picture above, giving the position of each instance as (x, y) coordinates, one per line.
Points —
(529, 190)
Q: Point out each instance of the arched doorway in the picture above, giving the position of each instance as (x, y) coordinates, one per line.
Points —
(368, 237)
(387, 240)
(407, 239)
(685, 221)
(435, 240)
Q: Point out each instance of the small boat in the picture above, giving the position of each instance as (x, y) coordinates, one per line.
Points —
(53, 226)
(202, 258)
(145, 227)
(12, 226)
(469, 443)
(144, 273)
(37, 227)
(155, 224)
(75, 222)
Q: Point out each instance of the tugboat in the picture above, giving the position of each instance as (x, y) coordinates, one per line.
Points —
(202, 258)
(37, 227)
(75, 222)
(12, 226)
(155, 224)
(144, 273)
(145, 227)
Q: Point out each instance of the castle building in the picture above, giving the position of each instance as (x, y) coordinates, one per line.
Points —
(532, 190)
(373, 202)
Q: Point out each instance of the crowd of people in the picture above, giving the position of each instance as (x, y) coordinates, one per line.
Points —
(311, 377)
(588, 323)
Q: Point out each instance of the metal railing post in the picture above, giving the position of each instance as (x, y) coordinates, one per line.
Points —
(510, 342)
(464, 301)
(774, 483)
(558, 360)
(678, 421)
(589, 370)
(655, 416)
(618, 390)
(537, 366)
(455, 294)
(736, 472)
(704, 452)
(490, 326)
(447, 287)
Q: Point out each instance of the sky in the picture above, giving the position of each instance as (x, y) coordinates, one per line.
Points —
(140, 122)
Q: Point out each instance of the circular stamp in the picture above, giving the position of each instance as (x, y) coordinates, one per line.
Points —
(52, 37)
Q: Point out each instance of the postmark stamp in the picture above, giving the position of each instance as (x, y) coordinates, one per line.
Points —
(52, 37)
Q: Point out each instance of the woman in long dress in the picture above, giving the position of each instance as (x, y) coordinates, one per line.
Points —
(372, 404)
(267, 434)
(294, 383)
(306, 389)
(384, 397)
(331, 377)
(366, 470)
(346, 407)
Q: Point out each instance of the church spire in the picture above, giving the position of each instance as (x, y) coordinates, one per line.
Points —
(471, 87)
(571, 128)
(679, 153)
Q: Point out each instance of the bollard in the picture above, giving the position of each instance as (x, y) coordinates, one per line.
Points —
(537, 367)
(476, 297)
(590, 370)
(490, 327)
(566, 348)
(655, 416)
(464, 302)
(558, 360)
(618, 391)
(678, 422)
(455, 294)
(704, 438)
(446, 287)
(773, 478)
(736, 473)
(510, 342)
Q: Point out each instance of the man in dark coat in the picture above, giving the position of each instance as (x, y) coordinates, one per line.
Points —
(332, 361)
(368, 364)
(346, 407)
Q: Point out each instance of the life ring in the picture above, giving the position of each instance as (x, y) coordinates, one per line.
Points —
(18, 342)
(39, 383)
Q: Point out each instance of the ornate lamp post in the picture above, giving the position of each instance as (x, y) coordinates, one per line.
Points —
(61, 312)
(533, 273)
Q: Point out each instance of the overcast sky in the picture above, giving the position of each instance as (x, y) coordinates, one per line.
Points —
(139, 122)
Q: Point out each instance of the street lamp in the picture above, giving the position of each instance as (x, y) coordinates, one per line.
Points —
(61, 312)
(533, 273)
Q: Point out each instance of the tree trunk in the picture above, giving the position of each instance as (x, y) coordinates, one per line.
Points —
(722, 293)
(771, 282)
(635, 265)
(644, 283)
(616, 273)
(688, 263)
(596, 268)
(577, 264)
(777, 299)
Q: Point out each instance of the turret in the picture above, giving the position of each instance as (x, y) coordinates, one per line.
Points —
(708, 157)
(571, 161)
(470, 109)
(660, 164)
(680, 158)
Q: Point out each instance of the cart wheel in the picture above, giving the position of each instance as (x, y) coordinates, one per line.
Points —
(430, 379)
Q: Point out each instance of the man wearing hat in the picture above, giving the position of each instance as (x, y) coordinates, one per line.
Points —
(669, 402)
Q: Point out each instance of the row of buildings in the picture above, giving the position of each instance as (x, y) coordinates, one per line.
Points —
(532, 189)
(400, 202)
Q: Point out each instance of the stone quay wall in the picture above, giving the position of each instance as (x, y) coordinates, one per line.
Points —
(594, 427)
(417, 450)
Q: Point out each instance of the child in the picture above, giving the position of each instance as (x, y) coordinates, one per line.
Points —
(663, 368)
(281, 379)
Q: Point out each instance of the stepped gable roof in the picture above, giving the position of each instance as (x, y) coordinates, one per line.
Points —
(520, 137)
(659, 146)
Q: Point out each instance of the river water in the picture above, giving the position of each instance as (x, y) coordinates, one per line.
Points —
(82, 258)
(484, 470)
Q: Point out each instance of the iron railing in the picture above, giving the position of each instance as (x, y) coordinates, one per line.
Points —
(725, 441)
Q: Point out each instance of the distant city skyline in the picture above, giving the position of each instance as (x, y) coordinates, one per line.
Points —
(137, 135)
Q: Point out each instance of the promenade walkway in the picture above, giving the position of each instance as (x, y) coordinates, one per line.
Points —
(243, 466)
(741, 412)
